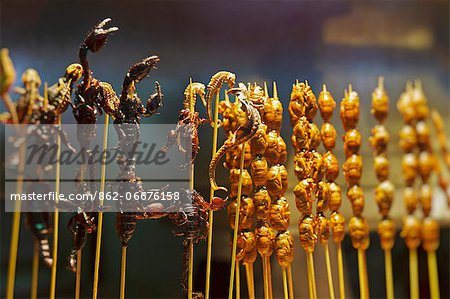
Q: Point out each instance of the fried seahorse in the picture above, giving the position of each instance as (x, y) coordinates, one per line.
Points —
(197, 89)
(214, 86)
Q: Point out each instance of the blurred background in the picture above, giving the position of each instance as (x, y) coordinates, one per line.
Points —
(330, 42)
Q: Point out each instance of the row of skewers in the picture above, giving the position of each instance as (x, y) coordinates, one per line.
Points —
(258, 210)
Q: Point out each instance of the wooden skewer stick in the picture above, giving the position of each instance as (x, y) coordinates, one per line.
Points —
(78, 276)
(389, 276)
(310, 283)
(211, 196)
(250, 281)
(265, 278)
(340, 271)
(238, 281)
(191, 186)
(236, 225)
(123, 268)
(413, 274)
(433, 276)
(56, 217)
(35, 271)
(269, 277)
(290, 282)
(285, 285)
(330, 277)
(100, 214)
(362, 274)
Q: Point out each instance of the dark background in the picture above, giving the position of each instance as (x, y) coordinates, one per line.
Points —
(323, 42)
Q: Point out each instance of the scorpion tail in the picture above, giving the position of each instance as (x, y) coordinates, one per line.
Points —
(72, 261)
(184, 275)
(212, 167)
(45, 252)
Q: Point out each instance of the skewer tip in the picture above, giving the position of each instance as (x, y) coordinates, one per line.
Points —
(350, 90)
(324, 88)
(266, 92)
(275, 91)
(380, 82)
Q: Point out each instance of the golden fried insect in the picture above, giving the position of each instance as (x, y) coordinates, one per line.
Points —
(359, 232)
(273, 113)
(380, 102)
(322, 196)
(406, 107)
(326, 104)
(307, 233)
(352, 169)
(408, 138)
(303, 192)
(384, 195)
(259, 143)
(275, 181)
(262, 202)
(337, 223)
(420, 101)
(439, 127)
(426, 165)
(247, 183)
(282, 150)
(410, 199)
(425, 198)
(280, 214)
(387, 231)
(297, 105)
(246, 247)
(310, 101)
(284, 177)
(233, 157)
(323, 228)
(352, 142)
(265, 238)
(379, 139)
(259, 169)
(328, 134)
(349, 110)
(430, 234)
(423, 135)
(246, 213)
(314, 136)
(409, 168)
(300, 134)
(356, 196)
(284, 249)
(331, 166)
(302, 164)
(381, 167)
(335, 196)
(412, 231)
(272, 151)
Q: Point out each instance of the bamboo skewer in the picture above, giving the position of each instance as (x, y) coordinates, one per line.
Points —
(340, 271)
(433, 276)
(191, 186)
(78, 276)
(211, 196)
(56, 219)
(35, 271)
(123, 268)
(250, 280)
(389, 277)
(100, 214)
(328, 264)
(285, 284)
(238, 281)
(362, 274)
(290, 282)
(413, 274)
(236, 226)
(266, 285)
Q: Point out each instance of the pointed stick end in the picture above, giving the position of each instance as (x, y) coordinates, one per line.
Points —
(275, 90)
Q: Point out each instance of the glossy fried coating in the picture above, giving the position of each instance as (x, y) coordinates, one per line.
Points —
(384, 196)
(326, 105)
(280, 214)
(302, 164)
(379, 139)
(420, 102)
(356, 196)
(410, 199)
(349, 111)
(352, 169)
(430, 234)
(246, 247)
(387, 231)
(305, 135)
(262, 202)
(358, 229)
(265, 238)
(259, 169)
(409, 168)
(273, 152)
(412, 231)
(380, 103)
(297, 105)
(352, 142)
(284, 249)
(284, 177)
(337, 222)
(307, 233)
(426, 165)
(273, 113)
(275, 181)
(246, 213)
(310, 101)
(381, 167)
(303, 192)
(282, 150)
(406, 107)
(426, 198)
(331, 166)
(335, 197)
(322, 196)
(408, 138)
(423, 135)
(247, 184)
(323, 228)
(233, 157)
(258, 144)
(328, 134)
(314, 136)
